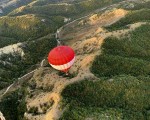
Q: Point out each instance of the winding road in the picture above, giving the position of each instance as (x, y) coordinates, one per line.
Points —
(57, 34)
(8, 89)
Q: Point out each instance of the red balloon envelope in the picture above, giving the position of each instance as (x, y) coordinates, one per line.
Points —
(61, 58)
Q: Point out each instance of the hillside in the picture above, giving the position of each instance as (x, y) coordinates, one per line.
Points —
(7, 6)
(27, 27)
(110, 77)
(19, 33)
(121, 67)
(27, 31)
(63, 9)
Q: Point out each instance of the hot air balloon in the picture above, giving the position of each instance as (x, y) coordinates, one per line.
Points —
(61, 58)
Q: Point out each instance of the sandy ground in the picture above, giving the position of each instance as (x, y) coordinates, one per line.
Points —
(86, 49)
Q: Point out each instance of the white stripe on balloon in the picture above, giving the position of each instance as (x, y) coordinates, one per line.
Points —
(64, 66)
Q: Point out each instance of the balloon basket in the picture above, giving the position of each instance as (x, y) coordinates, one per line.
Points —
(64, 74)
